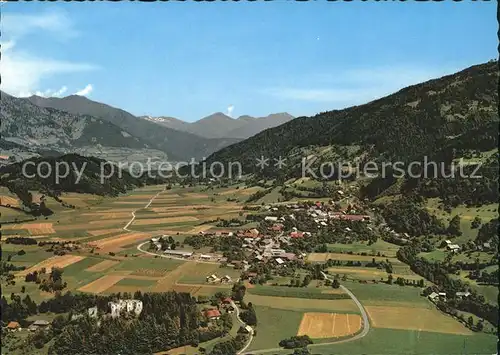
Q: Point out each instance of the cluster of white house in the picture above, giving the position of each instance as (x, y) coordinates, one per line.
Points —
(224, 279)
(116, 309)
(435, 296)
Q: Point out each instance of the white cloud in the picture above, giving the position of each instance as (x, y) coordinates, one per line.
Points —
(46, 93)
(230, 110)
(85, 91)
(60, 92)
(23, 73)
(16, 25)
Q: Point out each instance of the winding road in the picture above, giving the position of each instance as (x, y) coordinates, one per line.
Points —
(364, 315)
(364, 331)
(134, 211)
(243, 324)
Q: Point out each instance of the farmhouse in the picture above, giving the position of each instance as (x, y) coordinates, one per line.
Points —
(463, 294)
(453, 247)
(226, 279)
(41, 323)
(132, 306)
(288, 256)
(433, 296)
(247, 329)
(205, 257)
(271, 219)
(442, 295)
(279, 261)
(13, 326)
(212, 314)
(212, 278)
(183, 254)
(277, 227)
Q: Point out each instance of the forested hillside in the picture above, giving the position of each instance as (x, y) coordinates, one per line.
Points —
(416, 121)
(115, 181)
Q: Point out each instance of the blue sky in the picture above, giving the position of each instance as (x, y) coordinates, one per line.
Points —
(188, 60)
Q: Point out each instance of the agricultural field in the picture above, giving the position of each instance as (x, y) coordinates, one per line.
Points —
(274, 325)
(382, 293)
(323, 257)
(371, 273)
(393, 341)
(329, 325)
(296, 292)
(386, 249)
(304, 305)
(109, 262)
(414, 318)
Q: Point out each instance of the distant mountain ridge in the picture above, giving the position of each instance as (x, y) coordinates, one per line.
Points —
(178, 145)
(30, 130)
(220, 125)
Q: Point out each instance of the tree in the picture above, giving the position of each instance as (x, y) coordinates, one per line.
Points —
(389, 279)
(238, 292)
(249, 316)
(480, 325)
(297, 341)
(56, 274)
(470, 322)
(476, 222)
(335, 283)
(306, 281)
(454, 227)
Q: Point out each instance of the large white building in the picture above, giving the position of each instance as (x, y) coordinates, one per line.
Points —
(131, 306)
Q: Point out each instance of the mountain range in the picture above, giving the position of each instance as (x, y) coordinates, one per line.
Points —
(28, 129)
(177, 145)
(219, 125)
(164, 138)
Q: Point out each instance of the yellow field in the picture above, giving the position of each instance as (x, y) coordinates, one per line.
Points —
(302, 303)
(101, 284)
(121, 202)
(109, 214)
(167, 282)
(7, 200)
(151, 221)
(103, 265)
(108, 222)
(115, 242)
(38, 228)
(329, 325)
(199, 229)
(99, 232)
(421, 319)
(178, 208)
(55, 261)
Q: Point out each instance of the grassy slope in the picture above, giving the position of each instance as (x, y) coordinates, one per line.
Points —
(398, 342)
